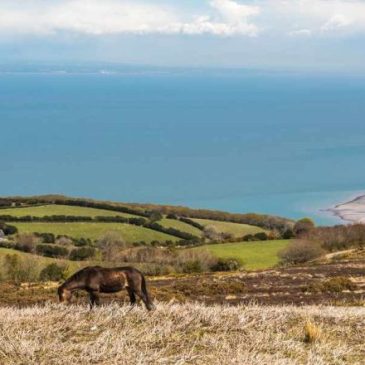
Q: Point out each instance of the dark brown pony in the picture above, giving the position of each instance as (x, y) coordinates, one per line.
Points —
(97, 279)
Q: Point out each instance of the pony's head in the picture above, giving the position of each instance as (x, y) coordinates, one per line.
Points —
(64, 295)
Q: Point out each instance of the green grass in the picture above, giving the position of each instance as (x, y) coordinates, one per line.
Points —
(53, 209)
(129, 232)
(254, 255)
(184, 227)
(236, 229)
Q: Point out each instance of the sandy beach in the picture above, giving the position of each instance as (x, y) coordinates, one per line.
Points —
(351, 211)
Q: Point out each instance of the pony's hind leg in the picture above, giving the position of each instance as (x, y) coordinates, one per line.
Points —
(93, 299)
(132, 296)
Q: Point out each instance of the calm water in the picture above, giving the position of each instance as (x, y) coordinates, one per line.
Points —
(287, 145)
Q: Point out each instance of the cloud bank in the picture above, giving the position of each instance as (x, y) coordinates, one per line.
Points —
(96, 17)
(217, 17)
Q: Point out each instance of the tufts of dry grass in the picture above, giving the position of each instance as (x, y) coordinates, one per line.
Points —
(179, 334)
(312, 332)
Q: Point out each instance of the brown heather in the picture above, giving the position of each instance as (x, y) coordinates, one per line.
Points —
(180, 334)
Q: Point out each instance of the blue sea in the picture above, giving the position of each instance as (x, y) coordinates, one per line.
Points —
(285, 144)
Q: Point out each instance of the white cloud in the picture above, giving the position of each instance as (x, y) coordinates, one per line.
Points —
(98, 17)
(294, 18)
(319, 16)
(335, 22)
(301, 32)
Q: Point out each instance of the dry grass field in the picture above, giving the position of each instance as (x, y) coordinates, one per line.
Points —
(182, 334)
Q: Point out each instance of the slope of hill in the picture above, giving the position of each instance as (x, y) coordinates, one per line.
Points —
(56, 209)
(235, 229)
(253, 255)
(261, 220)
(92, 230)
(184, 227)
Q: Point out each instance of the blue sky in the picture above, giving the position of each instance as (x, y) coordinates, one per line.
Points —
(286, 34)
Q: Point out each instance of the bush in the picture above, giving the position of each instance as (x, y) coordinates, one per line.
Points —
(194, 266)
(299, 252)
(8, 229)
(226, 265)
(303, 226)
(82, 253)
(211, 233)
(26, 242)
(52, 250)
(333, 285)
(155, 216)
(261, 236)
(53, 272)
(111, 244)
(288, 234)
(46, 237)
(20, 270)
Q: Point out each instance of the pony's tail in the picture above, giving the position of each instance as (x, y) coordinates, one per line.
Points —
(149, 304)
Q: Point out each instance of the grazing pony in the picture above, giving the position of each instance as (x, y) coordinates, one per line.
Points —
(97, 279)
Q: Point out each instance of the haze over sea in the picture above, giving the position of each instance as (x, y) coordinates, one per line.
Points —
(240, 141)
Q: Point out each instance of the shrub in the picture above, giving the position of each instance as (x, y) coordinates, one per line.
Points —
(333, 285)
(53, 272)
(288, 234)
(20, 270)
(64, 241)
(303, 226)
(8, 229)
(26, 242)
(226, 265)
(46, 237)
(52, 250)
(80, 242)
(194, 266)
(155, 216)
(300, 251)
(111, 244)
(211, 233)
(82, 253)
(261, 236)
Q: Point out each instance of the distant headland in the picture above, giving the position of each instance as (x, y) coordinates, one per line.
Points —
(351, 211)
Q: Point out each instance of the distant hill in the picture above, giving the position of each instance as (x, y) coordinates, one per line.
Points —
(261, 220)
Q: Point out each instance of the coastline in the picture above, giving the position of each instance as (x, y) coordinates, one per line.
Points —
(352, 211)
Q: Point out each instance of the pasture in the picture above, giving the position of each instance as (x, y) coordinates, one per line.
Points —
(181, 226)
(256, 255)
(236, 229)
(190, 333)
(94, 231)
(55, 209)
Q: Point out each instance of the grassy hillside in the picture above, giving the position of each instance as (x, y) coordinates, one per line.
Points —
(53, 209)
(236, 229)
(130, 233)
(41, 261)
(262, 220)
(254, 255)
(181, 226)
(182, 334)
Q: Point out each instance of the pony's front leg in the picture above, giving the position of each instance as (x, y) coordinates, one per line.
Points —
(94, 299)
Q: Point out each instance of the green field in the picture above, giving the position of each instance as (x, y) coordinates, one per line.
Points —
(184, 227)
(130, 233)
(53, 209)
(236, 229)
(254, 255)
